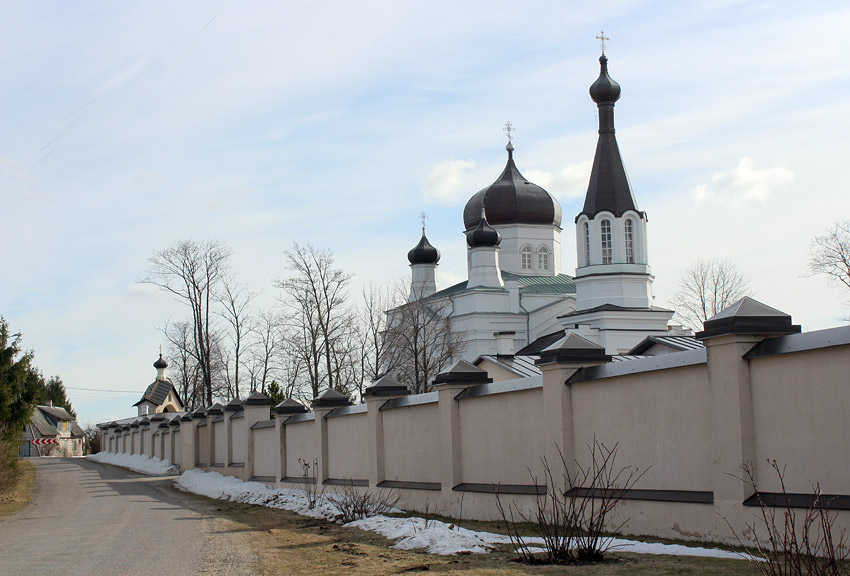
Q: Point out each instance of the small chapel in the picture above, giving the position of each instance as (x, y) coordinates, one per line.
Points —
(516, 299)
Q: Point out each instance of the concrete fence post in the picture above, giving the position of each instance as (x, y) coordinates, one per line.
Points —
(256, 409)
(282, 412)
(231, 409)
(449, 384)
(187, 442)
(376, 395)
(558, 363)
(322, 405)
(727, 337)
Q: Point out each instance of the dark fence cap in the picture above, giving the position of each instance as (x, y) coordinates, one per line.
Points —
(257, 398)
(574, 349)
(462, 372)
(199, 413)
(235, 405)
(290, 406)
(386, 387)
(331, 399)
(748, 316)
(215, 410)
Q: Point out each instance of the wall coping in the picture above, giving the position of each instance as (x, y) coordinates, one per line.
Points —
(801, 342)
(412, 400)
(640, 365)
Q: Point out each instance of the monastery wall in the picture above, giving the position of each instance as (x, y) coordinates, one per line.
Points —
(688, 421)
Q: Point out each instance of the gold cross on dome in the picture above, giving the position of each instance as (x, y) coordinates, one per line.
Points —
(602, 38)
(508, 129)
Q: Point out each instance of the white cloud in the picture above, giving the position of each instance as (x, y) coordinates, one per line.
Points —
(571, 182)
(744, 185)
(446, 182)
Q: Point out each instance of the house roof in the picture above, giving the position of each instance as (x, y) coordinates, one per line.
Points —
(56, 412)
(157, 392)
(43, 424)
(522, 366)
(680, 343)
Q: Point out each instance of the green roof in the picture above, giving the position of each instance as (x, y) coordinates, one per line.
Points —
(559, 284)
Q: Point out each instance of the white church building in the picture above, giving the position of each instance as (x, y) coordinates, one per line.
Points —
(516, 292)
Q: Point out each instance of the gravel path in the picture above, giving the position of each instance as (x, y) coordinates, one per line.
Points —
(91, 519)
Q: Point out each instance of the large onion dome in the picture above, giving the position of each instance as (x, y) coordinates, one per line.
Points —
(512, 200)
(423, 253)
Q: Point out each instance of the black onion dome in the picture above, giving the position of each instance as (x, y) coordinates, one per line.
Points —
(424, 252)
(512, 200)
(160, 363)
(483, 235)
(605, 89)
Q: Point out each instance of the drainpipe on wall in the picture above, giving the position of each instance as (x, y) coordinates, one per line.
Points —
(527, 318)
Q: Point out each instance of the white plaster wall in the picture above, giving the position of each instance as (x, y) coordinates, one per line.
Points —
(348, 447)
(238, 441)
(659, 420)
(411, 449)
(220, 438)
(265, 448)
(300, 443)
(502, 437)
(801, 405)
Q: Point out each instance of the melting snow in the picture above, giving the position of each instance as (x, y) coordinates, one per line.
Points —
(408, 533)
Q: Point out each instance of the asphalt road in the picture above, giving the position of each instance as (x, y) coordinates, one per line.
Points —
(92, 519)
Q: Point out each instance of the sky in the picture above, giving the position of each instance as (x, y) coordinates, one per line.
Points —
(125, 127)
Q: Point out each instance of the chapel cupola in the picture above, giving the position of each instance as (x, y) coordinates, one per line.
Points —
(160, 366)
(423, 259)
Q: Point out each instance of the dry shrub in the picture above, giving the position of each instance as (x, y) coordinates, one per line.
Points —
(310, 482)
(792, 544)
(355, 504)
(572, 513)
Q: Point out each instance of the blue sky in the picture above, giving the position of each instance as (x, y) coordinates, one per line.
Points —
(124, 127)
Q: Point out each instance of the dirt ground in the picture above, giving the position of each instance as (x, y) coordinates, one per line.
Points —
(287, 544)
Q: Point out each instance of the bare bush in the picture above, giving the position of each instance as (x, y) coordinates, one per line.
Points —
(355, 504)
(310, 482)
(572, 514)
(789, 544)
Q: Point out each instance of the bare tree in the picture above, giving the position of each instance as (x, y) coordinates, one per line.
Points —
(376, 300)
(185, 370)
(420, 339)
(193, 272)
(266, 350)
(235, 300)
(317, 296)
(705, 288)
(829, 254)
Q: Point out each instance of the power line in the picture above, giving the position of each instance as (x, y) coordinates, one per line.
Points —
(102, 390)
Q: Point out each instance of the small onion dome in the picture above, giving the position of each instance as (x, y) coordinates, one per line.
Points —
(483, 235)
(605, 89)
(512, 199)
(424, 252)
(160, 364)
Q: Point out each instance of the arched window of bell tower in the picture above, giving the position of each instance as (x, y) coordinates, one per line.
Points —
(543, 258)
(630, 241)
(607, 246)
(526, 258)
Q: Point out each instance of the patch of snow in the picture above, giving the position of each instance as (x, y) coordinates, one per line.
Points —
(137, 463)
(408, 533)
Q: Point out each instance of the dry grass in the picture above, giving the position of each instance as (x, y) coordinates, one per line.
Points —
(288, 544)
(17, 488)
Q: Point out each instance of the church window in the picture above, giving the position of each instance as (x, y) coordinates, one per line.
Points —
(586, 244)
(630, 242)
(543, 258)
(607, 253)
(526, 257)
